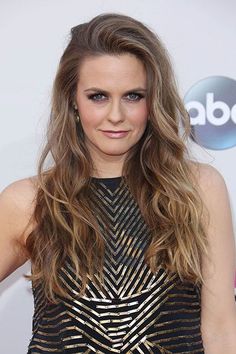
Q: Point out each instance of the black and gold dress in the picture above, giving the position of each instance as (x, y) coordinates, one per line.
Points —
(138, 313)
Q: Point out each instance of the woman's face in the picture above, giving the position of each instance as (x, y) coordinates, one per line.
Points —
(111, 100)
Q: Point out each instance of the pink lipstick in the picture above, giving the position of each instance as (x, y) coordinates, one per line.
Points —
(115, 133)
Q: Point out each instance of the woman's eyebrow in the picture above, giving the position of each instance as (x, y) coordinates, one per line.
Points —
(106, 92)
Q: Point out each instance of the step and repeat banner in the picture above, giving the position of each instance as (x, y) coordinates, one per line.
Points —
(200, 37)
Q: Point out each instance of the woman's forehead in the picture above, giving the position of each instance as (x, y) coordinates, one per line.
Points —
(108, 69)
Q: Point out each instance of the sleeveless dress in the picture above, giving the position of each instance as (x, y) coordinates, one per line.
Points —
(138, 313)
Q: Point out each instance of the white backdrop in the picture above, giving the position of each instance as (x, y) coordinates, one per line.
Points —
(200, 36)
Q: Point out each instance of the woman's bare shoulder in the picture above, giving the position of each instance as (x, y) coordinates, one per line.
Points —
(18, 201)
(21, 192)
(205, 174)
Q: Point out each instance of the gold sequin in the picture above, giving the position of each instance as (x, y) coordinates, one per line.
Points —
(136, 312)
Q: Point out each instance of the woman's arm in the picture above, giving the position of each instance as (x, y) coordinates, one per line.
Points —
(16, 205)
(218, 318)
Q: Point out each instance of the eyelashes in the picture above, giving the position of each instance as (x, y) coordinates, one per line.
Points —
(97, 96)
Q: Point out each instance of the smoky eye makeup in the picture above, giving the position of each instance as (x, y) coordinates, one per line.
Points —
(137, 94)
(98, 96)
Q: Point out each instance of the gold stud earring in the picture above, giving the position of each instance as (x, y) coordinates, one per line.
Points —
(77, 116)
(76, 112)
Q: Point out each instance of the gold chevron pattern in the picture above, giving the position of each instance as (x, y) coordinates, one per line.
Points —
(135, 311)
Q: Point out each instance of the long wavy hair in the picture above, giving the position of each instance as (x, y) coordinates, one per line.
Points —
(165, 187)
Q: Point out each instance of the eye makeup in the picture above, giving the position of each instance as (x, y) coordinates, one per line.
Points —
(94, 96)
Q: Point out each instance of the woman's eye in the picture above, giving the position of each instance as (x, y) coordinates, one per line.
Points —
(96, 96)
(135, 96)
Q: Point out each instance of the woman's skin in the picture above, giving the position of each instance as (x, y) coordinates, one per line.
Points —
(120, 108)
(118, 103)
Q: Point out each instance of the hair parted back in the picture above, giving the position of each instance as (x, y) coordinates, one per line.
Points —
(165, 187)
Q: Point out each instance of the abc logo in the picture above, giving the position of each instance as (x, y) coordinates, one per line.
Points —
(211, 104)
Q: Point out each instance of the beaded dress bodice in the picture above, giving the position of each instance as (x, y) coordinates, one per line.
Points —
(138, 312)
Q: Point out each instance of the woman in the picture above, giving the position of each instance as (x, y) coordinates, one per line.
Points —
(131, 242)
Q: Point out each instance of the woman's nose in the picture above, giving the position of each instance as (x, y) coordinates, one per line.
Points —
(116, 113)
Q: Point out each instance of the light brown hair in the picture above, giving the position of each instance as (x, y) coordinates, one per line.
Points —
(164, 188)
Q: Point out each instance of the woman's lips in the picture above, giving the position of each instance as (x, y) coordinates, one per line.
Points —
(115, 134)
